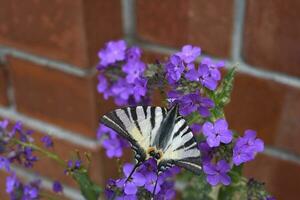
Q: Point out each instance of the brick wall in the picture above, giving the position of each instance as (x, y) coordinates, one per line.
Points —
(47, 76)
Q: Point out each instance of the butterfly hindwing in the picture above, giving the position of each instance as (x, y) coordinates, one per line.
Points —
(182, 148)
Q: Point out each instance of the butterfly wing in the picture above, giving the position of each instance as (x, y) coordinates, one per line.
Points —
(138, 125)
(181, 149)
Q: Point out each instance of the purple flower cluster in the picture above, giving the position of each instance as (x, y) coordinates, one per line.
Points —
(23, 155)
(207, 73)
(131, 86)
(17, 190)
(244, 150)
(111, 141)
(19, 153)
(191, 102)
(246, 147)
(144, 178)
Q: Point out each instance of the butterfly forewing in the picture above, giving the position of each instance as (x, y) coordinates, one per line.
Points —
(138, 125)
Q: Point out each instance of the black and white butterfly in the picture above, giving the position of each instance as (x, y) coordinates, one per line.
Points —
(159, 133)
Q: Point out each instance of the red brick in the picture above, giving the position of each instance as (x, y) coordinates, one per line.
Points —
(3, 85)
(54, 96)
(153, 57)
(69, 31)
(3, 194)
(207, 24)
(272, 32)
(282, 177)
(66, 151)
(269, 107)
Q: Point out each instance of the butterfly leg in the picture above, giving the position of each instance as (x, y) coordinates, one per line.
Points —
(133, 170)
(153, 193)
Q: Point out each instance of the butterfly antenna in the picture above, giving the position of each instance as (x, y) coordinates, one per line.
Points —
(133, 170)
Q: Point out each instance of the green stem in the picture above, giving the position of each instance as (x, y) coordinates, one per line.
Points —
(49, 154)
(48, 196)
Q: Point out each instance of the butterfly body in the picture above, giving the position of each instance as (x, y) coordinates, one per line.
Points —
(156, 132)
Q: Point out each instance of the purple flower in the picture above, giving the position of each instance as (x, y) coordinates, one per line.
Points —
(192, 74)
(246, 147)
(131, 186)
(194, 102)
(139, 89)
(189, 53)
(217, 173)
(134, 70)
(70, 164)
(167, 191)
(217, 133)
(47, 141)
(196, 128)
(4, 124)
(77, 163)
(206, 152)
(30, 192)
(213, 67)
(113, 52)
(206, 78)
(103, 86)
(12, 182)
(127, 197)
(110, 140)
(29, 157)
(133, 54)
(57, 187)
(4, 164)
(122, 89)
(74, 164)
(113, 147)
(174, 68)
(151, 179)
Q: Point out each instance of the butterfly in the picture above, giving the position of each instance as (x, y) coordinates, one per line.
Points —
(158, 133)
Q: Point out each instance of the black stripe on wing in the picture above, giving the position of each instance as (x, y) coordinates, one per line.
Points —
(112, 121)
(193, 165)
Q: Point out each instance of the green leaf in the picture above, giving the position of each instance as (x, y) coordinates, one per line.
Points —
(196, 188)
(89, 190)
(237, 189)
(224, 91)
(221, 97)
(236, 173)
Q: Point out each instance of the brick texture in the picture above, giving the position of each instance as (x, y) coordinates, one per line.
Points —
(69, 31)
(272, 33)
(282, 178)
(51, 95)
(269, 107)
(3, 84)
(174, 23)
(66, 151)
(3, 194)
